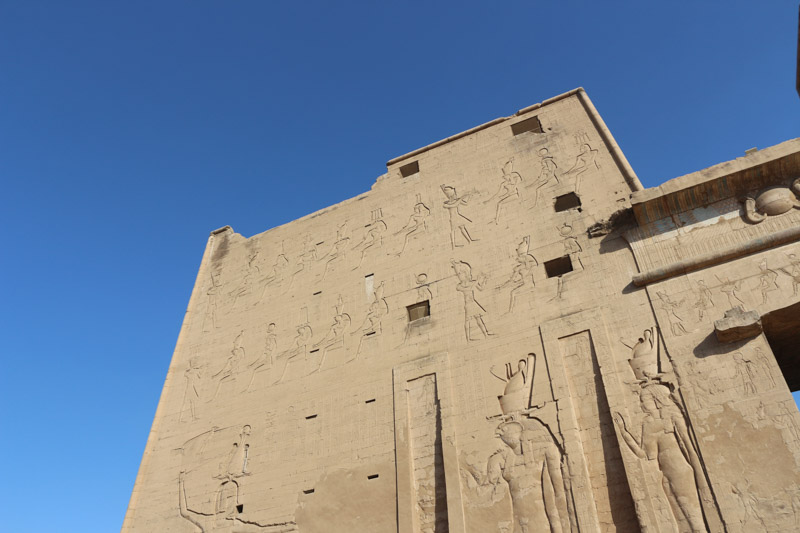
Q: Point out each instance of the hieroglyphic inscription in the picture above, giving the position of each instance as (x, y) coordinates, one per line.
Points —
(426, 455)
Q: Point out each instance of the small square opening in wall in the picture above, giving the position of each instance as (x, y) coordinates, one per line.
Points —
(419, 310)
(567, 201)
(409, 169)
(558, 267)
(528, 125)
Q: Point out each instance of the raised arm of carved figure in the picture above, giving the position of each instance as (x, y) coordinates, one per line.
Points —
(491, 371)
(184, 509)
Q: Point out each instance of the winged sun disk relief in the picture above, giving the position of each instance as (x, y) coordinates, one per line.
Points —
(772, 201)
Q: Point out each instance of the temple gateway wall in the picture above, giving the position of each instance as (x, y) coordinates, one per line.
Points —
(505, 334)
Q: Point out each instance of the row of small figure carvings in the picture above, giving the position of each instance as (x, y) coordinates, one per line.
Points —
(461, 232)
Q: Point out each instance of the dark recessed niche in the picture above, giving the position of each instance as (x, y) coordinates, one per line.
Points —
(409, 169)
(315, 350)
(567, 201)
(308, 491)
(419, 310)
(370, 333)
(317, 293)
(528, 125)
(558, 267)
(240, 508)
(373, 476)
(371, 400)
(311, 417)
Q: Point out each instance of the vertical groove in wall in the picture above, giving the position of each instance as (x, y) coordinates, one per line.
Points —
(425, 424)
(615, 510)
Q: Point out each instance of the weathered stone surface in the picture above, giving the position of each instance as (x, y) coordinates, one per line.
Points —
(737, 325)
(495, 339)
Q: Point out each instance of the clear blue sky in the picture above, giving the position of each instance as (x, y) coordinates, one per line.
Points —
(129, 130)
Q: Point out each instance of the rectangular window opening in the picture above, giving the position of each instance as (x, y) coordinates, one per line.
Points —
(567, 201)
(409, 169)
(317, 293)
(419, 310)
(558, 267)
(311, 417)
(373, 476)
(308, 491)
(371, 400)
(528, 125)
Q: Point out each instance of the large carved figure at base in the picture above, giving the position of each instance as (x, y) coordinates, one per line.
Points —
(665, 439)
(530, 464)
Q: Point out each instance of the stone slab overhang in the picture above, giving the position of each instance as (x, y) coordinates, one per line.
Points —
(731, 179)
(692, 219)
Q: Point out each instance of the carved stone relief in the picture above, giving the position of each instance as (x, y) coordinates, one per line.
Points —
(417, 223)
(229, 371)
(297, 355)
(523, 270)
(373, 238)
(426, 455)
(729, 288)
(278, 272)
(517, 391)
(529, 466)
(705, 299)
(644, 356)
(767, 281)
(473, 311)
(191, 393)
(210, 319)
(458, 221)
(508, 191)
(338, 250)
(546, 175)
(585, 161)
(372, 326)
(226, 512)
(793, 271)
(266, 361)
(251, 275)
(663, 438)
(771, 202)
(423, 288)
(335, 338)
(671, 309)
(305, 260)
(571, 245)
